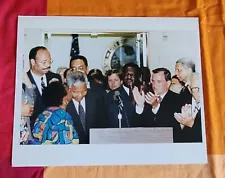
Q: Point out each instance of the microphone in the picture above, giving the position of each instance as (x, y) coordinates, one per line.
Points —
(121, 109)
(118, 98)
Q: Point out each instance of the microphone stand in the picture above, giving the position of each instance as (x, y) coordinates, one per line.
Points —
(121, 110)
(120, 114)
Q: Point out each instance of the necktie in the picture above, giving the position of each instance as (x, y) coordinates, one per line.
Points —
(159, 99)
(185, 88)
(197, 107)
(42, 83)
(131, 96)
(82, 115)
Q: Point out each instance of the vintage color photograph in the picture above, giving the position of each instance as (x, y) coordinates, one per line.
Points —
(122, 85)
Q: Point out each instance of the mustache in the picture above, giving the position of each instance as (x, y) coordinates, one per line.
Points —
(47, 68)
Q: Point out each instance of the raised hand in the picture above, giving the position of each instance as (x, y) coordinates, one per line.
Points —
(139, 97)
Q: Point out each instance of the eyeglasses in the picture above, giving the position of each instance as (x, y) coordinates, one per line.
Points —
(195, 89)
(45, 62)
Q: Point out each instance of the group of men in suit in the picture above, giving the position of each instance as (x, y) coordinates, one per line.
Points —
(93, 108)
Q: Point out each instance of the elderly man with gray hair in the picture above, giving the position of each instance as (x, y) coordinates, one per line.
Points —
(86, 107)
(184, 68)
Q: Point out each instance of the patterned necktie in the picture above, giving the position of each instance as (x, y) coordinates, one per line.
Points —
(42, 84)
(82, 115)
(159, 99)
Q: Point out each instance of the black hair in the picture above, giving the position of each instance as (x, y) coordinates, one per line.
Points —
(132, 65)
(113, 71)
(166, 72)
(145, 74)
(175, 77)
(65, 72)
(137, 73)
(95, 74)
(79, 57)
(53, 94)
(33, 51)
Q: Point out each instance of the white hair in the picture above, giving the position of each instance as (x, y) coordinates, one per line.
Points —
(76, 78)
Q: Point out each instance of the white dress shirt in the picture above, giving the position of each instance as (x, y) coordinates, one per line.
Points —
(155, 110)
(37, 80)
(126, 89)
(76, 104)
(195, 107)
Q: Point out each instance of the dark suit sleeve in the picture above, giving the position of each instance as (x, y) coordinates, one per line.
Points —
(193, 134)
(197, 128)
(102, 120)
(145, 119)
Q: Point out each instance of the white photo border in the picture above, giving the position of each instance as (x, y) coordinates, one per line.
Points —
(102, 154)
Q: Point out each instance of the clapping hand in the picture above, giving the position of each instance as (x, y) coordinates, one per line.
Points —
(152, 99)
(185, 117)
(139, 97)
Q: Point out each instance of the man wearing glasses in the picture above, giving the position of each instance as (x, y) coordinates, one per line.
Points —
(40, 76)
(184, 69)
(190, 116)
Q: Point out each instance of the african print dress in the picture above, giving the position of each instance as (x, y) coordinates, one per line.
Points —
(54, 126)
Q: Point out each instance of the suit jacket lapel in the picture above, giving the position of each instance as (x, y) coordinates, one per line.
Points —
(33, 82)
(75, 116)
(163, 102)
(48, 77)
(124, 93)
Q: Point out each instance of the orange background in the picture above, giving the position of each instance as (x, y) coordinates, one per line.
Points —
(211, 19)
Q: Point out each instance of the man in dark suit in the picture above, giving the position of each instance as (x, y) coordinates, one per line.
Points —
(86, 107)
(40, 76)
(160, 106)
(126, 110)
(80, 63)
(184, 69)
(190, 116)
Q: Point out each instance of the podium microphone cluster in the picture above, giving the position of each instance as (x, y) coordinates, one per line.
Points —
(118, 98)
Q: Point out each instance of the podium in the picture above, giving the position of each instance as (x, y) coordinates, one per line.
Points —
(133, 135)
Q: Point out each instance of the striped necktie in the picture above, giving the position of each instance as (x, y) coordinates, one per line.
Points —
(82, 115)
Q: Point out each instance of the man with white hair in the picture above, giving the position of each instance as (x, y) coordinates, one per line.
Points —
(86, 107)
(184, 69)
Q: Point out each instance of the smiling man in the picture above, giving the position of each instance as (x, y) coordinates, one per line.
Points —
(131, 78)
(160, 105)
(40, 76)
(184, 69)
